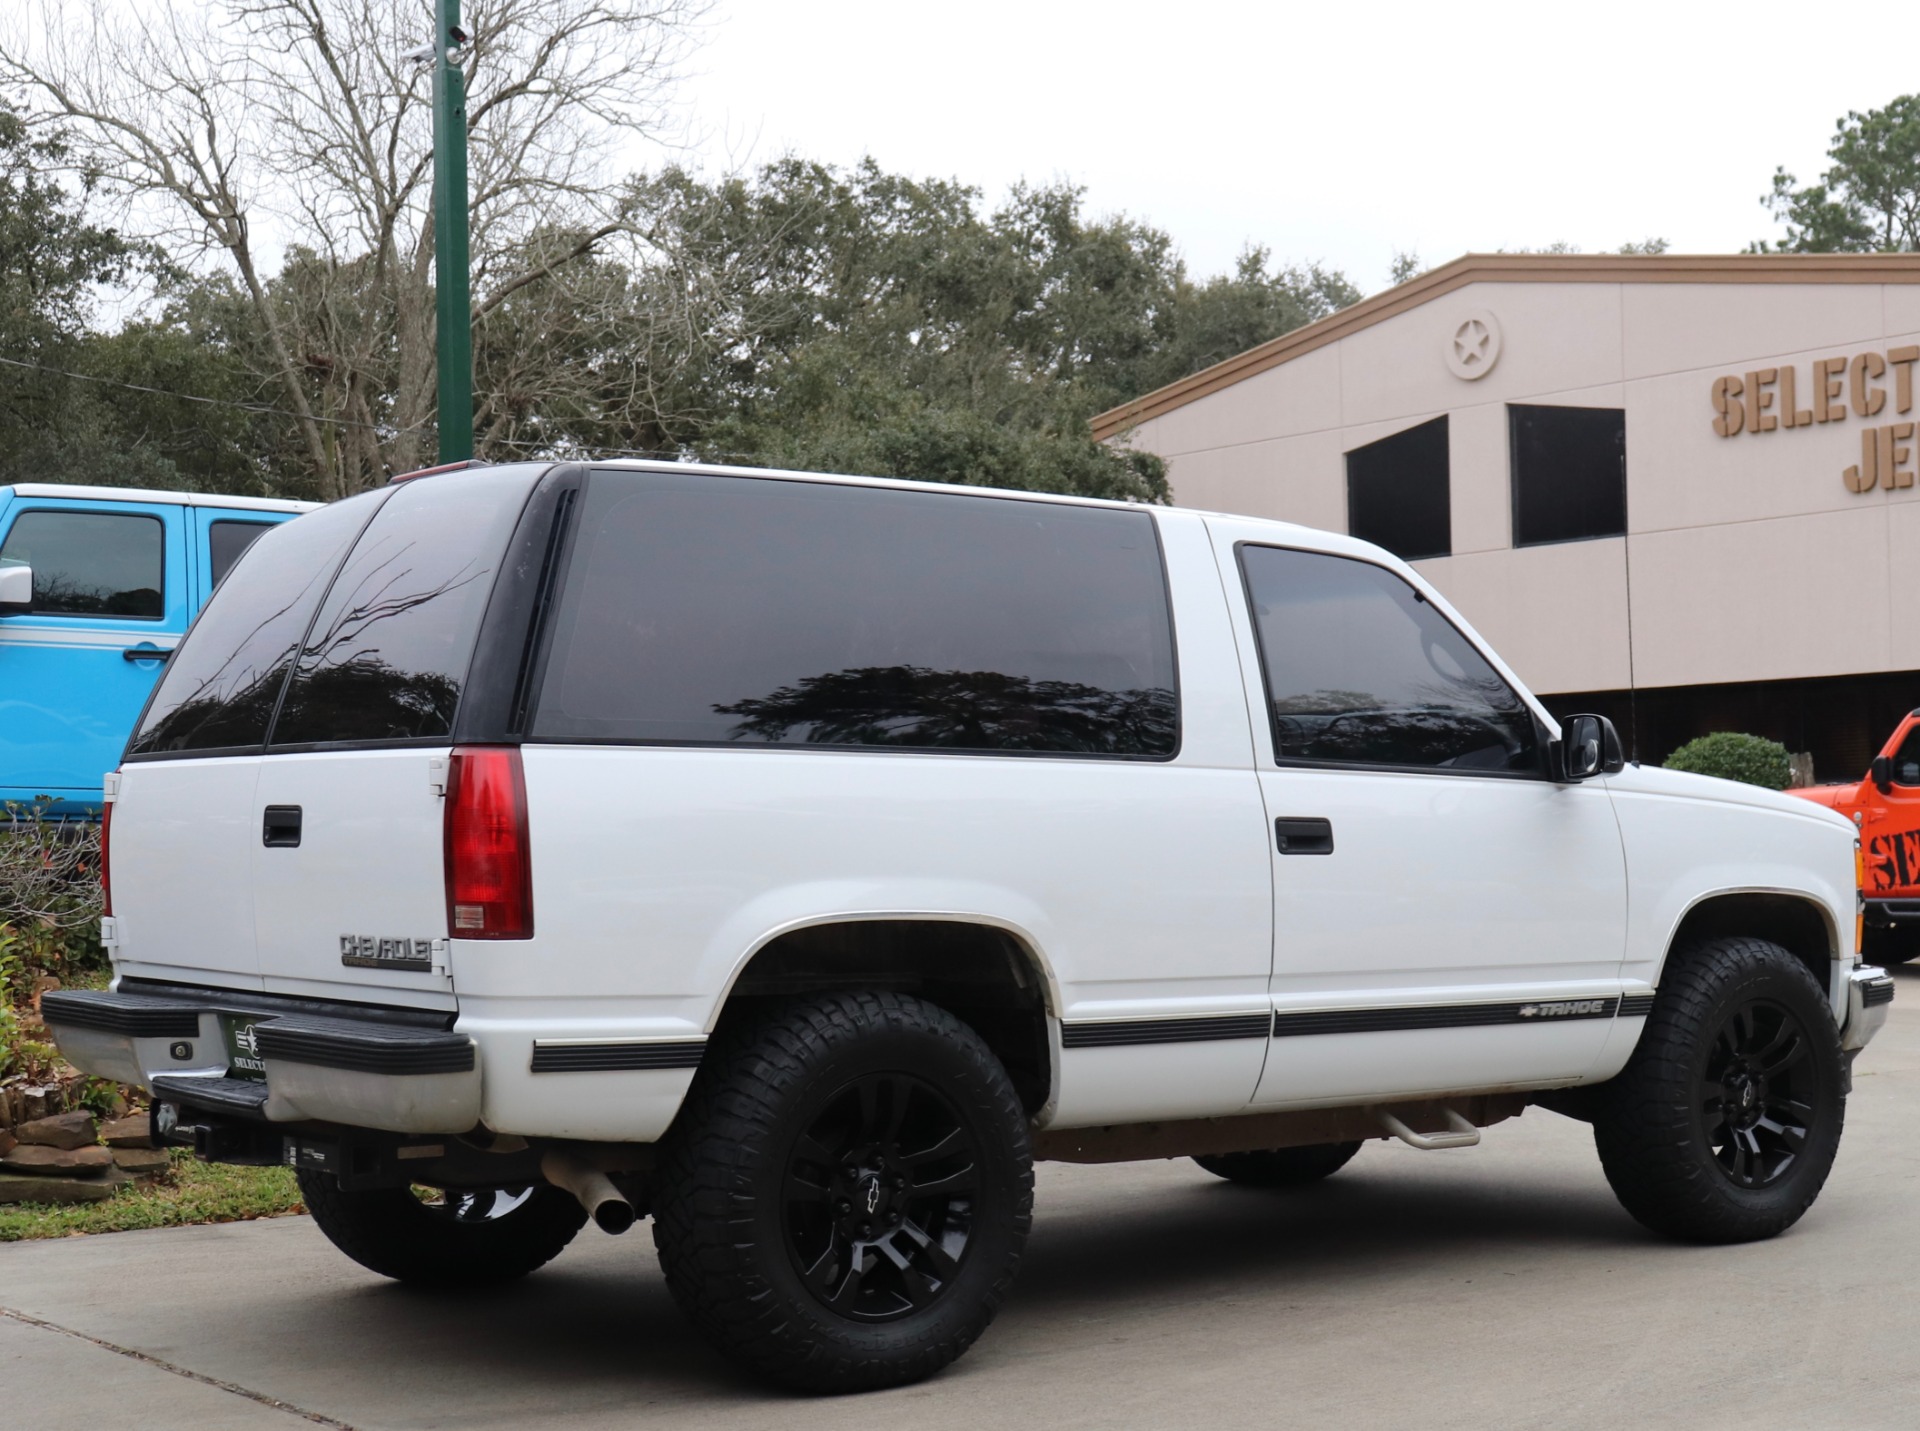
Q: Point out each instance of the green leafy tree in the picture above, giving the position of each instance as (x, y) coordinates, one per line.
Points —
(1868, 200)
(866, 321)
(1732, 756)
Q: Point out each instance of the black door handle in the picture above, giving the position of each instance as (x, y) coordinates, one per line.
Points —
(1303, 835)
(280, 829)
(145, 653)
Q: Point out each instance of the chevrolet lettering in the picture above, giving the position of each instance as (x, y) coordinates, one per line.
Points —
(823, 851)
(363, 951)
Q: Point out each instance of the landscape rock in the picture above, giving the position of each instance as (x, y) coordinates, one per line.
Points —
(7, 1140)
(142, 1160)
(19, 1189)
(34, 1158)
(134, 1132)
(63, 1130)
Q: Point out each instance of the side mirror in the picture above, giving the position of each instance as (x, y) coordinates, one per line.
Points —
(16, 590)
(1881, 773)
(1589, 746)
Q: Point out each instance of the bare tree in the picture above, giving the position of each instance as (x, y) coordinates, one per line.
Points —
(301, 118)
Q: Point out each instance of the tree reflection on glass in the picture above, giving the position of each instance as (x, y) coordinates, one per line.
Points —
(962, 710)
(365, 672)
(1455, 727)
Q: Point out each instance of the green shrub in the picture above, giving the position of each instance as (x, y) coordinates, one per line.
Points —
(1732, 756)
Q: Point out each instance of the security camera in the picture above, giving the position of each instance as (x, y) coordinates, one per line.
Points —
(422, 55)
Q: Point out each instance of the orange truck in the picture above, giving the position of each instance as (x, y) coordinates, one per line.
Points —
(1885, 807)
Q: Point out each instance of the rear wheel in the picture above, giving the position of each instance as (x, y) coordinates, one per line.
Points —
(843, 1201)
(445, 1239)
(1280, 1167)
(1725, 1122)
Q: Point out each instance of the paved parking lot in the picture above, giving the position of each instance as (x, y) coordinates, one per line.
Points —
(1494, 1287)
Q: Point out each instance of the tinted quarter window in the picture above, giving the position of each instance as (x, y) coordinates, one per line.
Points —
(389, 651)
(1399, 494)
(91, 563)
(1569, 473)
(745, 611)
(225, 542)
(219, 688)
(1361, 670)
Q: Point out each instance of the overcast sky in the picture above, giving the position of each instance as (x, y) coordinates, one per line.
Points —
(1339, 132)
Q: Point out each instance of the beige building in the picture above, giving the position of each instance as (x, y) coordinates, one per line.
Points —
(1679, 490)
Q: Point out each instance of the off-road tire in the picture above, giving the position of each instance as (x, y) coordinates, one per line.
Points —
(1664, 1126)
(1280, 1167)
(392, 1232)
(731, 1219)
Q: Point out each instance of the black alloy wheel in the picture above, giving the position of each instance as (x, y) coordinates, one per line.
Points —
(843, 1198)
(1756, 1104)
(877, 1204)
(1725, 1122)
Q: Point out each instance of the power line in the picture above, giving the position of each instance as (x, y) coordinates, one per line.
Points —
(264, 410)
(258, 409)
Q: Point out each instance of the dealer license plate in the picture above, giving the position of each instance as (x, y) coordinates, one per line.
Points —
(243, 1047)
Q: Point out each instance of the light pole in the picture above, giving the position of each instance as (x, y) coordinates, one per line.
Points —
(453, 307)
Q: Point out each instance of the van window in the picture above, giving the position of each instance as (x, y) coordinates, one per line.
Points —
(1361, 670)
(220, 686)
(92, 563)
(389, 651)
(718, 610)
(225, 542)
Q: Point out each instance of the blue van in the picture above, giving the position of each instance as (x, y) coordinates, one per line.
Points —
(97, 586)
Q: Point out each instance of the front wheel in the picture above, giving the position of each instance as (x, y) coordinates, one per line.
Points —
(843, 1200)
(1726, 1120)
(451, 1239)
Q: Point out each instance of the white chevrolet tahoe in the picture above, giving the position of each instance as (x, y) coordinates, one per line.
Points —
(795, 859)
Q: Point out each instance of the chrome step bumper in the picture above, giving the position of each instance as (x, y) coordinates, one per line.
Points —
(321, 1066)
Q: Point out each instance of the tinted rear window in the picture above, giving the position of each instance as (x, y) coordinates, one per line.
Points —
(225, 542)
(707, 609)
(220, 687)
(91, 563)
(389, 651)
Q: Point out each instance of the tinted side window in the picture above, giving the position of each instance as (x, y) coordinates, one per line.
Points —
(1399, 492)
(92, 563)
(1569, 473)
(1361, 670)
(1906, 760)
(219, 688)
(712, 609)
(225, 542)
(389, 651)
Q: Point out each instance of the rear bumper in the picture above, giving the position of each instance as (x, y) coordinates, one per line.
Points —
(1869, 993)
(397, 1076)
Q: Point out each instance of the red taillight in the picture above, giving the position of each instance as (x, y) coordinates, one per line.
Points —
(489, 870)
(106, 880)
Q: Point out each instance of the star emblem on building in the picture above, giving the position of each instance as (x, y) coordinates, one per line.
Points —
(1470, 342)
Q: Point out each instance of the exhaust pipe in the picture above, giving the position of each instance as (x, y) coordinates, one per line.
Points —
(605, 1204)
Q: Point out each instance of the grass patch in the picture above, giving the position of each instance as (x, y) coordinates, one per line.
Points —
(192, 1192)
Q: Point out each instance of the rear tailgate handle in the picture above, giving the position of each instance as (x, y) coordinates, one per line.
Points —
(1303, 835)
(280, 828)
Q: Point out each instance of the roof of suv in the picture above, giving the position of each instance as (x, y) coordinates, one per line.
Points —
(1318, 537)
(148, 494)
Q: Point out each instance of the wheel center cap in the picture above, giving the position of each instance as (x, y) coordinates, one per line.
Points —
(873, 1195)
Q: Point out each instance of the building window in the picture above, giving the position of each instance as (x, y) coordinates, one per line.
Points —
(1569, 473)
(1398, 495)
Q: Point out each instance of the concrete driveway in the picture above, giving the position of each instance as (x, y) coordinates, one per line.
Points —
(1494, 1287)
